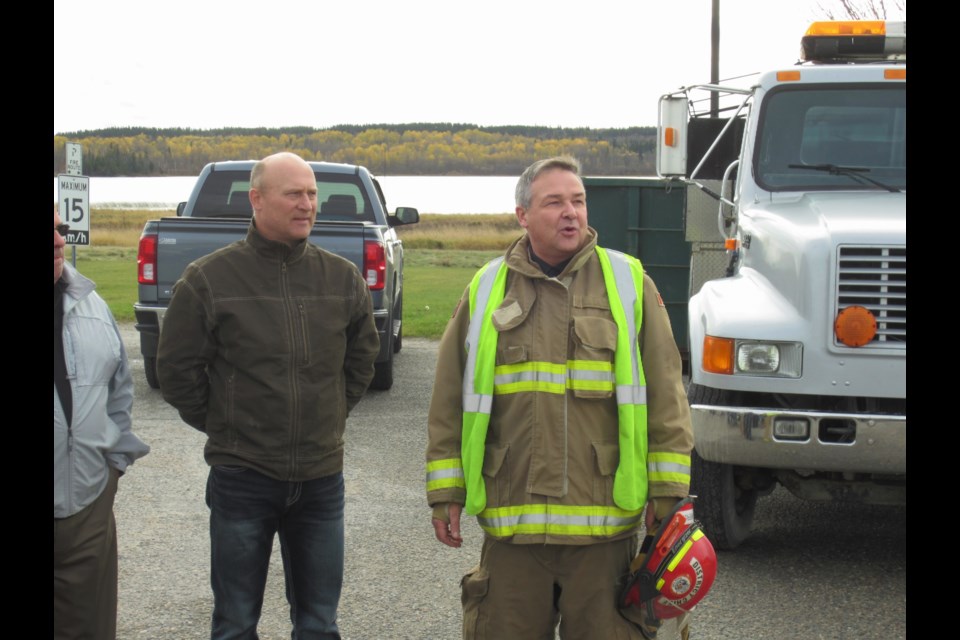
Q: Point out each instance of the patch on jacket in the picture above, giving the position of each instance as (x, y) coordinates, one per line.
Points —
(456, 308)
(660, 299)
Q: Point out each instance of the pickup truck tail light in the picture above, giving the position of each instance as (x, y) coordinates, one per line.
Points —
(374, 264)
(147, 259)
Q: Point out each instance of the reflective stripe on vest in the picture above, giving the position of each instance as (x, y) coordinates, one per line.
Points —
(623, 279)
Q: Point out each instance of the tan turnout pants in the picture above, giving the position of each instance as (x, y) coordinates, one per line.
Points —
(524, 591)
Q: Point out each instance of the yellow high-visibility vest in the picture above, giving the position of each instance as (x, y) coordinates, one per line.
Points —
(623, 277)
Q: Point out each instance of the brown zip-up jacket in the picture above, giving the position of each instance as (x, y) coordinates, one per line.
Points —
(549, 448)
(266, 348)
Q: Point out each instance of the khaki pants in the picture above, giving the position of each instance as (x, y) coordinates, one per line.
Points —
(85, 570)
(524, 591)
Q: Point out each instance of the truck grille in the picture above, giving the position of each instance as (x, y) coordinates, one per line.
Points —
(876, 278)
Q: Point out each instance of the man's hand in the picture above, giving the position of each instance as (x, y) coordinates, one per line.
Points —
(657, 510)
(446, 523)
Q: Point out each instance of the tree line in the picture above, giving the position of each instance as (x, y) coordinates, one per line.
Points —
(398, 149)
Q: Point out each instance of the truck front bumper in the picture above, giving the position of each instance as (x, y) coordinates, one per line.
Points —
(774, 438)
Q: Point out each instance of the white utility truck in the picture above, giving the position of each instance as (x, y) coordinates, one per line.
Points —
(798, 310)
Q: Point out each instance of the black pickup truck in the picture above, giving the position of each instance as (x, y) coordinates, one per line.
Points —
(352, 221)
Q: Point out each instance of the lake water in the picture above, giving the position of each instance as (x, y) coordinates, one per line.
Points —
(429, 194)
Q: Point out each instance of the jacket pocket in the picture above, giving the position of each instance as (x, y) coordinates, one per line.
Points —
(496, 474)
(607, 458)
(99, 345)
(512, 342)
(473, 589)
(595, 344)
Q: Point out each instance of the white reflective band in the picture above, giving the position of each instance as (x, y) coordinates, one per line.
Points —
(472, 402)
(439, 474)
(529, 376)
(668, 467)
(602, 376)
(557, 520)
(628, 298)
(631, 394)
(477, 403)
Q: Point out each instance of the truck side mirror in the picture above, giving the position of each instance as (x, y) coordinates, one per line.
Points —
(180, 207)
(672, 136)
(404, 215)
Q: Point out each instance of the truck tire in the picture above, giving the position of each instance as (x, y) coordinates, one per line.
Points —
(383, 375)
(724, 509)
(398, 316)
(150, 370)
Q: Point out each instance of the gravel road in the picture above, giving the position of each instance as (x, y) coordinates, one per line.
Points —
(810, 571)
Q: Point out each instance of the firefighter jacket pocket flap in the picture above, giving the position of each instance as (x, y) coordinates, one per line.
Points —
(596, 333)
(608, 457)
(493, 458)
(508, 315)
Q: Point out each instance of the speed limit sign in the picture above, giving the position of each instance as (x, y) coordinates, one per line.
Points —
(74, 199)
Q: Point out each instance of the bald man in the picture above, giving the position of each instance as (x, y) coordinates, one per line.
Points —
(266, 346)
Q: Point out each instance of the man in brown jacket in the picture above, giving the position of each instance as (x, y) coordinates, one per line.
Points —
(558, 414)
(267, 344)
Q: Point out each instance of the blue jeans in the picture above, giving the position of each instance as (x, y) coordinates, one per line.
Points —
(246, 510)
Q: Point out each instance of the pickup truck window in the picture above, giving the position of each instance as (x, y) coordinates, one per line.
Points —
(340, 198)
(819, 137)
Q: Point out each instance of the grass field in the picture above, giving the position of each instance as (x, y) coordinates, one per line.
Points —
(442, 252)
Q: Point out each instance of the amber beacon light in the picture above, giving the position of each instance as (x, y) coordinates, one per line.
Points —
(837, 40)
(855, 326)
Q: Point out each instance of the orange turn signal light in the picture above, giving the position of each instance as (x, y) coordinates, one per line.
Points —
(670, 136)
(855, 326)
(894, 74)
(718, 355)
(788, 76)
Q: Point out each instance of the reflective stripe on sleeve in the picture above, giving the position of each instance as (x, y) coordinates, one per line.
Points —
(668, 467)
(443, 474)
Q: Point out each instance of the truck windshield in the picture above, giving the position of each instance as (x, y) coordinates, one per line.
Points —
(823, 137)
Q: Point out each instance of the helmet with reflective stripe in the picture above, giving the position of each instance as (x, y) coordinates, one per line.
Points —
(677, 568)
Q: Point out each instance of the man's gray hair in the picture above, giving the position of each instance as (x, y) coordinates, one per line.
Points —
(566, 163)
(256, 174)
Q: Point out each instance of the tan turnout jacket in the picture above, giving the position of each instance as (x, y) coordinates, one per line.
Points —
(559, 449)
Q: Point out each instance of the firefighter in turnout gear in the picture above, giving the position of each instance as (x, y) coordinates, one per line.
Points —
(558, 414)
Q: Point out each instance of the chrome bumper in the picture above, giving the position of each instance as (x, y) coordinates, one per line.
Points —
(746, 436)
(156, 310)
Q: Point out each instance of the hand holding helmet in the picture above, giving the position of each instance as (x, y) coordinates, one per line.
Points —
(673, 571)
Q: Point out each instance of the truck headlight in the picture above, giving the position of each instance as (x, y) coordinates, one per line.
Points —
(758, 358)
(781, 359)
(752, 357)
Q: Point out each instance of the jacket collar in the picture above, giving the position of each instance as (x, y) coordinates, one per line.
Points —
(272, 248)
(518, 257)
(78, 286)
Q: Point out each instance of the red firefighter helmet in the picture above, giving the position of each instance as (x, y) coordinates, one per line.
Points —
(677, 571)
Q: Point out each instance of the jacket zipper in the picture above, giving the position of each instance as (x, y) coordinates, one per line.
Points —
(293, 377)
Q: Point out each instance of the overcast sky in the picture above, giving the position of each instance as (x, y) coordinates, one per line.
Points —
(216, 63)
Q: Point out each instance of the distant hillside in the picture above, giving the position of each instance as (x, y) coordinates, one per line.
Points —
(385, 149)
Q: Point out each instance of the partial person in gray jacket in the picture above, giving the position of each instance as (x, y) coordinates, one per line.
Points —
(93, 445)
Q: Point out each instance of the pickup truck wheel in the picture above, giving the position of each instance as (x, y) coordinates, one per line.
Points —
(398, 317)
(724, 508)
(383, 375)
(150, 370)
